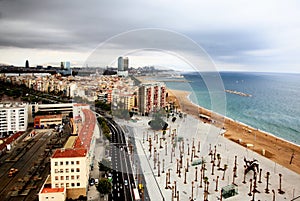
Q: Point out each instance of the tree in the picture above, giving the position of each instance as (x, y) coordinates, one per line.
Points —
(224, 170)
(105, 128)
(157, 123)
(102, 105)
(104, 186)
(219, 160)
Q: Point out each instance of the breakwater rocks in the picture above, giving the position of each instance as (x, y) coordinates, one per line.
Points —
(238, 93)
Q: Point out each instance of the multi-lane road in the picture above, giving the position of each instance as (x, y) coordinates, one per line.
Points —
(122, 174)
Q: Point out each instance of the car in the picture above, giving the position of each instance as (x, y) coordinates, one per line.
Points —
(96, 181)
(92, 181)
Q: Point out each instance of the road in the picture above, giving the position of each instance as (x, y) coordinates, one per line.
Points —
(122, 174)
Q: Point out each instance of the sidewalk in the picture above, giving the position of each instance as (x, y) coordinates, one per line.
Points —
(192, 131)
(93, 194)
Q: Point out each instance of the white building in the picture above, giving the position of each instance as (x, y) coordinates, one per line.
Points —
(13, 117)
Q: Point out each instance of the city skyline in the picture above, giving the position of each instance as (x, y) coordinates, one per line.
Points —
(239, 36)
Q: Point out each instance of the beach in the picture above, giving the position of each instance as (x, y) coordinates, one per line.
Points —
(278, 150)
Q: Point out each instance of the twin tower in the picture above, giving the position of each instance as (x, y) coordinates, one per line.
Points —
(123, 64)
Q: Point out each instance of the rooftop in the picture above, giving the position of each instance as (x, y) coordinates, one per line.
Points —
(69, 153)
(52, 190)
(87, 130)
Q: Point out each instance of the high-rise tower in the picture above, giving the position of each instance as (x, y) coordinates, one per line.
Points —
(120, 64)
(125, 63)
(27, 64)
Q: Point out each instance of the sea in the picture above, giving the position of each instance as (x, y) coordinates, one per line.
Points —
(272, 103)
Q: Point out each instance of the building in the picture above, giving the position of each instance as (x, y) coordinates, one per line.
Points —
(62, 108)
(125, 63)
(151, 97)
(46, 121)
(124, 101)
(120, 64)
(70, 165)
(13, 118)
(27, 64)
(123, 66)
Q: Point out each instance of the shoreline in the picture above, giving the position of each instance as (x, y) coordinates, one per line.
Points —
(238, 122)
(274, 148)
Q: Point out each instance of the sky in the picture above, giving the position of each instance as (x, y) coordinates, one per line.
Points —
(234, 35)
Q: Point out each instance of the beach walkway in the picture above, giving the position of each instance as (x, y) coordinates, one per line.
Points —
(172, 167)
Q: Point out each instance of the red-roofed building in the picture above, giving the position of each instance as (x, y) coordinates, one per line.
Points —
(7, 143)
(49, 193)
(70, 165)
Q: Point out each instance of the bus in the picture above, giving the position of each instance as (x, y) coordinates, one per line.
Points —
(136, 194)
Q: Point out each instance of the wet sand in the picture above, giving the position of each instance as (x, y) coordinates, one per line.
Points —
(276, 149)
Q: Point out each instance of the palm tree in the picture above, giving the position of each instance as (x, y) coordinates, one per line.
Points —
(219, 160)
(224, 170)
(205, 179)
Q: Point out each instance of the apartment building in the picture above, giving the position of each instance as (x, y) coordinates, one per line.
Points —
(70, 165)
(13, 118)
(151, 97)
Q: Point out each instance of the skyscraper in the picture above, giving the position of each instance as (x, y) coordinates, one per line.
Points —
(27, 64)
(62, 65)
(123, 66)
(120, 64)
(125, 63)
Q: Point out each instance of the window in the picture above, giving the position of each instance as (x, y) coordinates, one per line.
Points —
(78, 184)
(56, 185)
(72, 162)
(56, 164)
(61, 170)
(56, 171)
(77, 170)
(67, 162)
(67, 185)
(77, 162)
(72, 169)
(72, 184)
(61, 177)
(72, 177)
(77, 176)
(61, 163)
(56, 178)
(67, 170)
(67, 177)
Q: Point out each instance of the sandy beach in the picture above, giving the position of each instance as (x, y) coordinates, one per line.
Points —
(276, 149)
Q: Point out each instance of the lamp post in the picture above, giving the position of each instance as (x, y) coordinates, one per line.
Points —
(267, 183)
(196, 172)
(217, 180)
(185, 170)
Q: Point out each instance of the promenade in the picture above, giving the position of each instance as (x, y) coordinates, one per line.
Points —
(170, 175)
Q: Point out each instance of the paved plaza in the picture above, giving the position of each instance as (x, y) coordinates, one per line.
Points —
(173, 168)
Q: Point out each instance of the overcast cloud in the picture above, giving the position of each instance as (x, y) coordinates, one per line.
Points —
(238, 35)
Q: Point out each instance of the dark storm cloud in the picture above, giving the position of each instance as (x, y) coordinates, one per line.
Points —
(235, 33)
(72, 24)
(54, 24)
